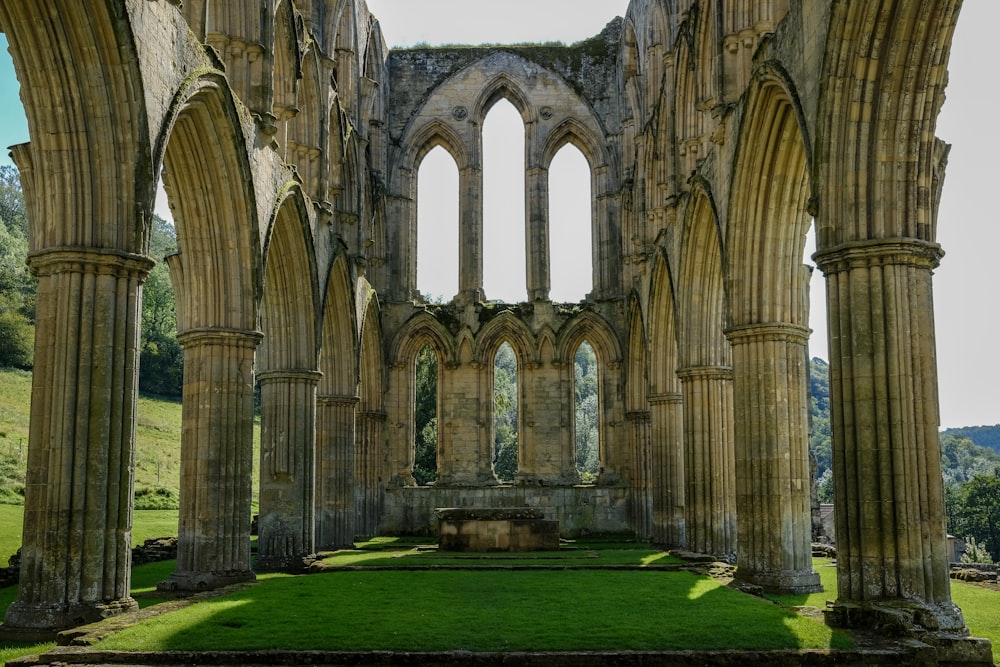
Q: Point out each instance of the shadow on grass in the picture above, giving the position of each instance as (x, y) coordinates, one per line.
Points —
(481, 611)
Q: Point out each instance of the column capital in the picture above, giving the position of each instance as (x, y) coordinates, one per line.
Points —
(219, 336)
(285, 374)
(879, 252)
(706, 372)
(767, 332)
(337, 400)
(78, 259)
(667, 398)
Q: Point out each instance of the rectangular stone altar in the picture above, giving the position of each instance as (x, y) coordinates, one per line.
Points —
(495, 529)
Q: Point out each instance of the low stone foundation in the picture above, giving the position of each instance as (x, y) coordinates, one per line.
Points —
(495, 529)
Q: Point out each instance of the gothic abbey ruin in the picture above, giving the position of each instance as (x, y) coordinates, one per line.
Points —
(289, 140)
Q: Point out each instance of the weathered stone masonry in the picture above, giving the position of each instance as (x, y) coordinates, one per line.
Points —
(289, 142)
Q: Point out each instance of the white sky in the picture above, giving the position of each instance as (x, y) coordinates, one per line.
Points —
(965, 284)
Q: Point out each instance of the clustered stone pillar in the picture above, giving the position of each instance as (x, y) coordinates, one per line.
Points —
(213, 546)
(76, 554)
(667, 466)
(709, 460)
(641, 473)
(287, 469)
(335, 428)
(772, 457)
(891, 537)
(368, 472)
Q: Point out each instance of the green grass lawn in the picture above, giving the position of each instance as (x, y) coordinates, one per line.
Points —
(11, 523)
(981, 608)
(505, 610)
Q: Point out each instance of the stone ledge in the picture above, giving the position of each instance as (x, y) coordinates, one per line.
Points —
(488, 513)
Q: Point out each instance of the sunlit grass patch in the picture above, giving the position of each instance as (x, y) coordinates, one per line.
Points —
(480, 611)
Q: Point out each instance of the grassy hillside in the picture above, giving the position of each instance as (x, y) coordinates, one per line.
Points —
(158, 437)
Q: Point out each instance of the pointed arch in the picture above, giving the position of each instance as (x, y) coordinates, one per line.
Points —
(502, 86)
(572, 131)
(769, 202)
(287, 64)
(218, 270)
(700, 289)
(588, 326)
(429, 136)
(423, 328)
(291, 300)
(339, 356)
(304, 148)
(663, 361)
(505, 327)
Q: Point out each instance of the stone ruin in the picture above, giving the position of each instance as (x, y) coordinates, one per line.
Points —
(288, 139)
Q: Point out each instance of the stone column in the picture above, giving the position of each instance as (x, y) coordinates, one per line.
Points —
(470, 247)
(213, 546)
(76, 558)
(667, 468)
(465, 453)
(642, 472)
(367, 471)
(537, 234)
(770, 389)
(287, 469)
(891, 537)
(709, 460)
(335, 471)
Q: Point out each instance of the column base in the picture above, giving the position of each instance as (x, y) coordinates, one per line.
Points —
(41, 621)
(784, 582)
(203, 581)
(898, 618)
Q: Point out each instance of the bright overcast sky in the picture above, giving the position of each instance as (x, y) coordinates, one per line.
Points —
(965, 286)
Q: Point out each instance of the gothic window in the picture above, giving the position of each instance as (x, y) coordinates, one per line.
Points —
(505, 432)
(570, 217)
(425, 434)
(503, 205)
(437, 226)
(587, 413)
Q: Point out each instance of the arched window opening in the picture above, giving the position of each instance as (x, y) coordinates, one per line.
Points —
(425, 434)
(820, 435)
(437, 226)
(505, 413)
(503, 205)
(570, 217)
(587, 413)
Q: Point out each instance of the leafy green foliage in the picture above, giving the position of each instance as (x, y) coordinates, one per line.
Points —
(505, 414)
(425, 416)
(17, 285)
(161, 369)
(984, 436)
(973, 511)
(588, 458)
(820, 438)
(17, 341)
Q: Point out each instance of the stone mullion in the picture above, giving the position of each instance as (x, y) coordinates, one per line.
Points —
(335, 462)
(772, 457)
(537, 261)
(76, 558)
(891, 536)
(667, 465)
(641, 472)
(709, 460)
(366, 471)
(470, 273)
(288, 469)
(213, 546)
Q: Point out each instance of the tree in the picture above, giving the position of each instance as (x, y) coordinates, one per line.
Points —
(973, 510)
(425, 416)
(588, 458)
(161, 364)
(505, 414)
